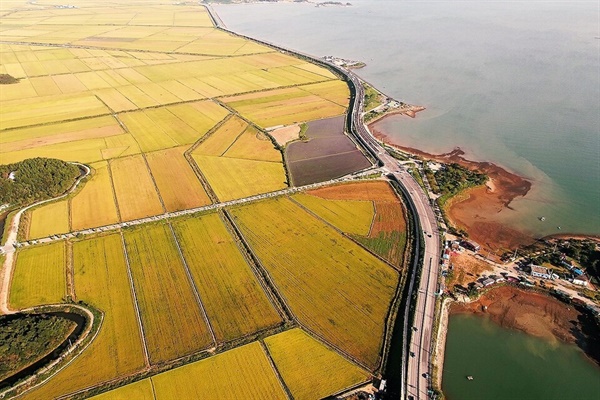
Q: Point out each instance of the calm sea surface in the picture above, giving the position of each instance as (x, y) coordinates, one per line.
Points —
(506, 364)
(513, 82)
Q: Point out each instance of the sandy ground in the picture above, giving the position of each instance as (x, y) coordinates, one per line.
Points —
(538, 315)
(286, 134)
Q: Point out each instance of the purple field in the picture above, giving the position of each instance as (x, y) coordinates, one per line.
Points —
(328, 153)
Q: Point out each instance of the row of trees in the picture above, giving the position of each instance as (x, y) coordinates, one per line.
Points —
(35, 179)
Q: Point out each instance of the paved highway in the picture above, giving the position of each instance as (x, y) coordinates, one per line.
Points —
(416, 379)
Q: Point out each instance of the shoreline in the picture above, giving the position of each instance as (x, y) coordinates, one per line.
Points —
(474, 209)
(534, 313)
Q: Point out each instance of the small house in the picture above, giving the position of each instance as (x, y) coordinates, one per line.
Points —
(540, 272)
(470, 245)
(580, 280)
(488, 282)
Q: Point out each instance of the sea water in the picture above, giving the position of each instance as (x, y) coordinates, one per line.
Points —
(507, 364)
(516, 83)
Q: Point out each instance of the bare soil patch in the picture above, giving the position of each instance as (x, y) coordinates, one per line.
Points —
(537, 314)
(286, 134)
(6, 79)
(466, 268)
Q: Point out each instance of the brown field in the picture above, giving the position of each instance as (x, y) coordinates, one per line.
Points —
(171, 316)
(387, 237)
(134, 188)
(328, 153)
(177, 183)
(286, 134)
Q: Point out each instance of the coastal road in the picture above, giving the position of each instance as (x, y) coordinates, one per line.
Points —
(416, 380)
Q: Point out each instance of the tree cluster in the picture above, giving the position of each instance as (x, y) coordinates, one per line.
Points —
(35, 179)
(452, 178)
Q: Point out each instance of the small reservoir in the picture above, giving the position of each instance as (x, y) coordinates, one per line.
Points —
(508, 364)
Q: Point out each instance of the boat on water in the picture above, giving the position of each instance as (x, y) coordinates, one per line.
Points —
(542, 218)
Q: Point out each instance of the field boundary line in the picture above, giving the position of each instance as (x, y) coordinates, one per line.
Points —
(114, 192)
(263, 273)
(162, 202)
(344, 234)
(374, 215)
(194, 287)
(152, 386)
(250, 258)
(70, 270)
(194, 165)
(284, 385)
(336, 348)
(135, 302)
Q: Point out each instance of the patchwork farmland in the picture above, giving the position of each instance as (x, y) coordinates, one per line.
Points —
(282, 298)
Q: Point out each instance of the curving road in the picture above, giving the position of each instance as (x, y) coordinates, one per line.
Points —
(416, 379)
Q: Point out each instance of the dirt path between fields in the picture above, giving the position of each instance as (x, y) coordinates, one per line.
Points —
(11, 239)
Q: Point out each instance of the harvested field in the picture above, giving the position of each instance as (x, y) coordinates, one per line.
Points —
(177, 183)
(332, 285)
(310, 369)
(234, 300)
(134, 188)
(171, 316)
(328, 153)
(101, 280)
(241, 373)
(286, 134)
(387, 237)
(95, 204)
(234, 178)
(349, 216)
(40, 276)
(49, 219)
(140, 390)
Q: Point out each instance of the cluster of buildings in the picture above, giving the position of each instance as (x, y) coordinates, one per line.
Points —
(577, 275)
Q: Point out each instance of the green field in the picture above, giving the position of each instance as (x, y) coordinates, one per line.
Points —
(333, 286)
(40, 276)
(171, 316)
(310, 369)
(235, 302)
